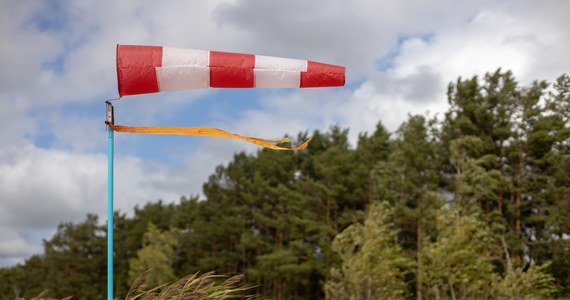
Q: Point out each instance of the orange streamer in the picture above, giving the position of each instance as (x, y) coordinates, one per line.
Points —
(208, 131)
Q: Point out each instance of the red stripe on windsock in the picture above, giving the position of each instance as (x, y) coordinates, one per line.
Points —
(231, 70)
(136, 69)
(321, 75)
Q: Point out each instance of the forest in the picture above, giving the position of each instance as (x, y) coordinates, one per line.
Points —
(473, 203)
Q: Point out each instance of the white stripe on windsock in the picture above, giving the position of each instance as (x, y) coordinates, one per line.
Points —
(276, 79)
(277, 72)
(281, 64)
(183, 69)
(182, 78)
(178, 57)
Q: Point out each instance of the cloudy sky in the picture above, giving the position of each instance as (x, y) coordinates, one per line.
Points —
(58, 67)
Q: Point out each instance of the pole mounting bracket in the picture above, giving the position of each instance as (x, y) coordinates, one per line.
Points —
(110, 116)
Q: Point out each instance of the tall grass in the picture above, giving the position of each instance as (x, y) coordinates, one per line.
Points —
(208, 286)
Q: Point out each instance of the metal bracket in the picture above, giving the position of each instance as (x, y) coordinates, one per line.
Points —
(110, 120)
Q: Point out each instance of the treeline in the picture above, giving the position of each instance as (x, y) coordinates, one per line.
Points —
(474, 204)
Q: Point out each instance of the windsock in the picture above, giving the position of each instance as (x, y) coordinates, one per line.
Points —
(152, 69)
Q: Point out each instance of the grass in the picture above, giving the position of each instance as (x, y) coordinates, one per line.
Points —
(208, 286)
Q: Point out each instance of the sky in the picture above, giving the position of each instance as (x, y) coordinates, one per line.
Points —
(58, 67)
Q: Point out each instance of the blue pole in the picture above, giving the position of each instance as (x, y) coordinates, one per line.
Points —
(110, 215)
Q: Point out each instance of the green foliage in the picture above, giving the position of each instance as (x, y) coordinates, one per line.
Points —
(409, 180)
(458, 262)
(156, 254)
(72, 255)
(532, 283)
(373, 267)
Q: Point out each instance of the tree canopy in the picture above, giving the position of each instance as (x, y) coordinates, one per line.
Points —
(472, 204)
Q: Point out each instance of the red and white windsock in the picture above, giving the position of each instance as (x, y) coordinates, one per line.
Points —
(151, 69)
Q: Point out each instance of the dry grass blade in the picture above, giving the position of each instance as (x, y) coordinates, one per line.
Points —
(139, 284)
(176, 288)
(194, 286)
(203, 282)
(234, 280)
(145, 293)
(150, 296)
(41, 295)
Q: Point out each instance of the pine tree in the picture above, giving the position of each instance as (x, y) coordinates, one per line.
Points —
(373, 266)
(549, 149)
(458, 261)
(157, 255)
(24, 280)
(75, 257)
(409, 180)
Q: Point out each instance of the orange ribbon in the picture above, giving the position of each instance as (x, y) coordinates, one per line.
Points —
(208, 131)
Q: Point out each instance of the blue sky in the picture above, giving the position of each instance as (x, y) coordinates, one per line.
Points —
(58, 62)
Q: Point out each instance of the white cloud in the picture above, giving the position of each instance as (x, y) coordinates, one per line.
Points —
(40, 188)
(527, 40)
(24, 49)
(355, 33)
(525, 37)
(18, 244)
